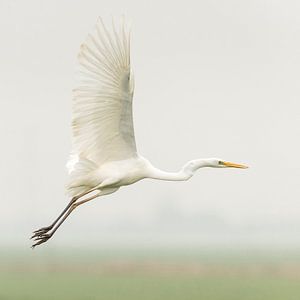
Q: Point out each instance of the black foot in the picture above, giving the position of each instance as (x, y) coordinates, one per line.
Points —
(40, 239)
(41, 231)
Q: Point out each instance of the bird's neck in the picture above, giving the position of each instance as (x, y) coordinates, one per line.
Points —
(186, 172)
(170, 176)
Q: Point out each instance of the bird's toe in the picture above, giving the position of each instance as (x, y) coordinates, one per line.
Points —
(43, 229)
(41, 239)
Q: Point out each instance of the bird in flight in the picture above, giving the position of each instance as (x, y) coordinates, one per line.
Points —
(104, 156)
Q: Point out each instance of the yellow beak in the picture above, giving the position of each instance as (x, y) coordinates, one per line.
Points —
(233, 165)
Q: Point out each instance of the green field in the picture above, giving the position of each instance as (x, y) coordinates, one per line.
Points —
(136, 276)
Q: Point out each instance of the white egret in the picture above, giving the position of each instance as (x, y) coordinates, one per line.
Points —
(104, 154)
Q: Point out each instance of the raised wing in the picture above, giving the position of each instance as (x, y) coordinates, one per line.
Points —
(102, 122)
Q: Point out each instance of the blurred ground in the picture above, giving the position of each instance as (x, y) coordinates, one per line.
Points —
(156, 274)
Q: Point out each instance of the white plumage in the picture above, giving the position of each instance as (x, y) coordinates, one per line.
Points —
(104, 155)
(102, 122)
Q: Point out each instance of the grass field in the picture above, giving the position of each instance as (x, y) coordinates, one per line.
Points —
(143, 277)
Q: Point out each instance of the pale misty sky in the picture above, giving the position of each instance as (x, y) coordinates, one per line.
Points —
(213, 79)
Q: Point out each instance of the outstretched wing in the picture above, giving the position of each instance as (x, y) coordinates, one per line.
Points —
(102, 124)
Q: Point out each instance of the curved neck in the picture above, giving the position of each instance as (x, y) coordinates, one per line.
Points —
(185, 173)
(170, 176)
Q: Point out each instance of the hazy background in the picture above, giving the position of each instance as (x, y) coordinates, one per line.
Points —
(213, 79)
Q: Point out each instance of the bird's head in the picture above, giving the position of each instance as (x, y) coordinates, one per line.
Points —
(193, 165)
(220, 163)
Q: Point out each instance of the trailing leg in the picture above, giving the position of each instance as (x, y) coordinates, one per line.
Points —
(47, 228)
(43, 237)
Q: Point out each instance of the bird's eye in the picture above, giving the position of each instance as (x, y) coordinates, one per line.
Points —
(220, 162)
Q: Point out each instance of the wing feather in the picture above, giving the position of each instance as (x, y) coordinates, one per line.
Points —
(102, 122)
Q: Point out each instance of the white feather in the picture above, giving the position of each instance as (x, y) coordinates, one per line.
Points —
(102, 125)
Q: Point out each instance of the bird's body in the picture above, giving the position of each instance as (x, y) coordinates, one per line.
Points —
(104, 153)
(124, 172)
(113, 174)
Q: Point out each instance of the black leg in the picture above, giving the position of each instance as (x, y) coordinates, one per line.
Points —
(42, 236)
(47, 228)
